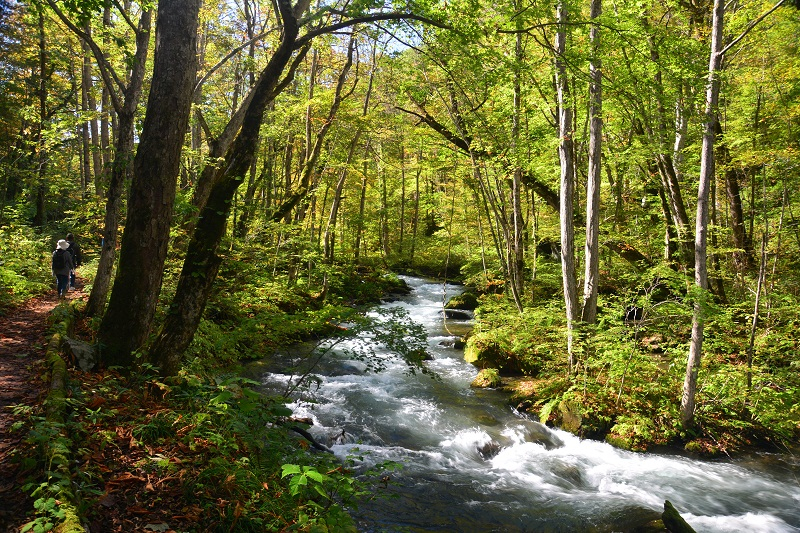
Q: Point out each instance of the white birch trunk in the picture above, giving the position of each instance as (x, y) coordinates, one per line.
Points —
(567, 186)
(592, 249)
(701, 225)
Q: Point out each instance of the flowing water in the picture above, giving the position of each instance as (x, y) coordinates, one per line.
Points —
(473, 464)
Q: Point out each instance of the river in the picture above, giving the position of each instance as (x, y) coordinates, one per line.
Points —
(472, 464)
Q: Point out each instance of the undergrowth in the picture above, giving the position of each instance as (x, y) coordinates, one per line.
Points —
(196, 454)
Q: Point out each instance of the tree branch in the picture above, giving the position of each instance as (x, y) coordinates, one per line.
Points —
(109, 75)
(225, 59)
(367, 19)
(750, 26)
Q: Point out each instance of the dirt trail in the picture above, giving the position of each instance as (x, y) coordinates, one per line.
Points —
(22, 347)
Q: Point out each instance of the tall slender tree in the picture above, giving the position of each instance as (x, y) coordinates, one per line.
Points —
(567, 180)
(592, 256)
(124, 93)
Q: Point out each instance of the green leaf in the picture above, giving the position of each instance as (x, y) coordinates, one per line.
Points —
(288, 470)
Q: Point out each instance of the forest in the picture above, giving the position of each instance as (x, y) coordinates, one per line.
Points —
(610, 184)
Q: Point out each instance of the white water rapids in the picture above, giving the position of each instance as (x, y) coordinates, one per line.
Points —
(454, 479)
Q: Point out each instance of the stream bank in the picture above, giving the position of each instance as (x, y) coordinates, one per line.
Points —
(472, 463)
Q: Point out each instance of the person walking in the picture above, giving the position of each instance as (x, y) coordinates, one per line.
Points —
(61, 266)
(75, 252)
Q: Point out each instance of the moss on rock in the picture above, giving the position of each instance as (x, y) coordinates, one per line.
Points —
(466, 300)
(486, 378)
(484, 351)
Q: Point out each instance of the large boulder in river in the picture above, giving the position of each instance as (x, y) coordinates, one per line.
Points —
(466, 300)
(458, 314)
(570, 416)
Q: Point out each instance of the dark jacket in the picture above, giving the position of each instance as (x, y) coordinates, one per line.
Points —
(68, 264)
(75, 252)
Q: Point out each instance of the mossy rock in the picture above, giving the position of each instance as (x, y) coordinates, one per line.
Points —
(485, 352)
(465, 300)
(487, 378)
(673, 521)
(570, 416)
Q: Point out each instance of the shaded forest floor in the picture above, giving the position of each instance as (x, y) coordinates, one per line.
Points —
(23, 338)
(139, 460)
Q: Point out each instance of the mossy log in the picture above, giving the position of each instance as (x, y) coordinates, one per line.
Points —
(58, 451)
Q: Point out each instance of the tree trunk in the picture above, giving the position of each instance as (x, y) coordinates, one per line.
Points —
(516, 251)
(126, 323)
(91, 101)
(384, 217)
(202, 262)
(666, 165)
(40, 217)
(107, 111)
(592, 267)
(415, 218)
(567, 184)
(121, 169)
(361, 205)
(86, 167)
(329, 241)
(402, 224)
(701, 226)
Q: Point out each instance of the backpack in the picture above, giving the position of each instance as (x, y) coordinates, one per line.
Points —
(58, 259)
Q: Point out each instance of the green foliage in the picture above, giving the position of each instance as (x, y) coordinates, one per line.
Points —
(49, 513)
(487, 377)
(24, 265)
(326, 496)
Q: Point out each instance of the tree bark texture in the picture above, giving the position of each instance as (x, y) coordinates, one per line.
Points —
(701, 225)
(592, 248)
(127, 320)
(516, 243)
(202, 262)
(121, 167)
(567, 183)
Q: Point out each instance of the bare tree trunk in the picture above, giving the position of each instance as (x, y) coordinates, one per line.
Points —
(415, 219)
(107, 111)
(126, 323)
(86, 166)
(666, 165)
(40, 217)
(402, 224)
(361, 206)
(329, 241)
(91, 106)
(121, 168)
(754, 324)
(701, 226)
(516, 248)
(385, 245)
(592, 249)
(567, 185)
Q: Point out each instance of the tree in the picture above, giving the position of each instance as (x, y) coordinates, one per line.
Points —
(567, 183)
(126, 323)
(589, 312)
(202, 262)
(707, 172)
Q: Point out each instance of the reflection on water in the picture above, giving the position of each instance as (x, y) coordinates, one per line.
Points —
(472, 464)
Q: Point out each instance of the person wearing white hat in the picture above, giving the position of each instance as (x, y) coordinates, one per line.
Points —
(61, 265)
